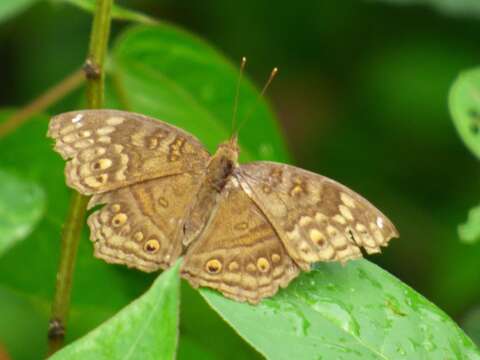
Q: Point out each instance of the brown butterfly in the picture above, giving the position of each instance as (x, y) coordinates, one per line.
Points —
(245, 230)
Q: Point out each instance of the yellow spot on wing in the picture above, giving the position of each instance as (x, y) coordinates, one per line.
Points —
(340, 219)
(347, 200)
(345, 211)
(115, 120)
(305, 220)
(105, 130)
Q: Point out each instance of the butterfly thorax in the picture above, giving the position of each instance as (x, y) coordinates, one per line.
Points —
(220, 168)
(221, 165)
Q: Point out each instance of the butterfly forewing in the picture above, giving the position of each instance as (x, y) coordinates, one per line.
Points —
(239, 252)
(110, 149)
(317, 218)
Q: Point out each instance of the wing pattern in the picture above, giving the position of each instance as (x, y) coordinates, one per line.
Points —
(110, 149)
(239, 254)
(317, 218)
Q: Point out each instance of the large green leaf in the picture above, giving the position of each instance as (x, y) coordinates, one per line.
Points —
(167, 73)
(465, 108)
(469, 8)
(357, 311)
(145, 329)
(10, 8)
(22, 203)
(470, 231)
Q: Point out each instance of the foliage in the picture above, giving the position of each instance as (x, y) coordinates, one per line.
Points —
(470, 231)
(9, 9)
(465, 109)
(21, 205)
(146, 329)
(169, 74)
(139, 87)
(352, 311)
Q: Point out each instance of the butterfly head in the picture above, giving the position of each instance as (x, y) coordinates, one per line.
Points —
(229, 150)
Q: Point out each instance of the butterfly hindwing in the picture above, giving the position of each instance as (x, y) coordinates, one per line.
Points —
(141, 225)
(239, 253)
(317, 218)
(110, 149)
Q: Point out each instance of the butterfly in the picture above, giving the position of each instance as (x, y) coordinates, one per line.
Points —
(246, 230)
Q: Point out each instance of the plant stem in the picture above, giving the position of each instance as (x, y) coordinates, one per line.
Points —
(68, 253)
(94, 71)
(97, 53)
(49, 97)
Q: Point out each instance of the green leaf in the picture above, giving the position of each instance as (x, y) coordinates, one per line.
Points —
(145, 329)
(468, 8)
(22, 203)
(10, 8)
(118, 12)
(357, 311)
(465, 108)
(172, 75)
(470, 231)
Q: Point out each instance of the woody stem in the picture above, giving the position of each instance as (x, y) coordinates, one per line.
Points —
(95, 75)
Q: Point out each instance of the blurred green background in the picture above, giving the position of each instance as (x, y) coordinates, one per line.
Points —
(361, 94)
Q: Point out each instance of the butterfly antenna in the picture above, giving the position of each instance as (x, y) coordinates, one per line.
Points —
(262, 93)
(237, 93)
